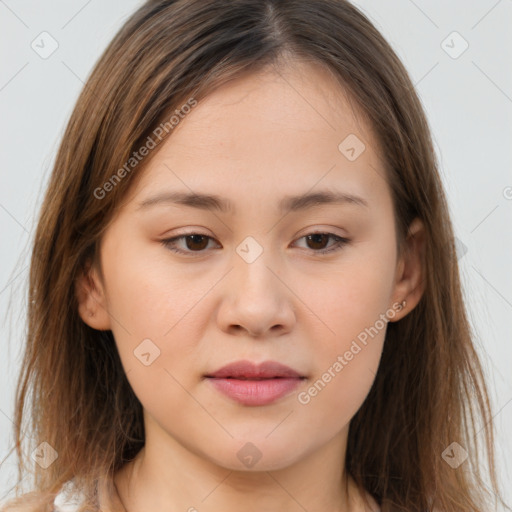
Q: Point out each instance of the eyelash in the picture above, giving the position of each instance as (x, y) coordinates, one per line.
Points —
(340, 242)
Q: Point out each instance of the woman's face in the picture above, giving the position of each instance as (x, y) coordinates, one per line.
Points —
(251, 284)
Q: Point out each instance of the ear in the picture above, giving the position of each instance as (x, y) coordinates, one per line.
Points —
(410, 272)
(92, 302)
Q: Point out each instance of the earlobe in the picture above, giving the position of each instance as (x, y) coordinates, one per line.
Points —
(92, 304)
(410, 283)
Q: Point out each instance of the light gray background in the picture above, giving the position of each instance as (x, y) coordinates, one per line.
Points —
(468, 100)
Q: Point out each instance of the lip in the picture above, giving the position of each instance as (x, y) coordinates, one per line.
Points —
(249, 370)
(254, 384)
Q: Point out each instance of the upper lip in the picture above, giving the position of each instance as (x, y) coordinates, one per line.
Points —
(250, 370)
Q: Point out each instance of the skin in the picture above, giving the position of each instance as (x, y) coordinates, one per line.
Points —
(253, 141)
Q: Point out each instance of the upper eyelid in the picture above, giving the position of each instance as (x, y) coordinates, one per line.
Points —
(310, 231)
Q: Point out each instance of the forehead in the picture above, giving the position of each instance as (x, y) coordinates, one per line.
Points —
(279, 131)
(303, 98)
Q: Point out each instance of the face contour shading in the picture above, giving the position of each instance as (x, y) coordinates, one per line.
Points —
(258, 274)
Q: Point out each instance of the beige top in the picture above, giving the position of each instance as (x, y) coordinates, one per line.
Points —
(69, 499)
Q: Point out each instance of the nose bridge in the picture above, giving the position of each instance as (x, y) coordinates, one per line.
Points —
(256, 299)
(252, 270)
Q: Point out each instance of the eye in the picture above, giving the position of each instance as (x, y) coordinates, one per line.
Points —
(198, 242)
(194, 242)
(319, 239)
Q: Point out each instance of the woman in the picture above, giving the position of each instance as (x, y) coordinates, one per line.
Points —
(244, 290)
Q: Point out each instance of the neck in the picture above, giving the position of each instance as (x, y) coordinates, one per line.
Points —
(181, 480)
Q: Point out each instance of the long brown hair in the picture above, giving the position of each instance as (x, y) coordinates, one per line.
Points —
(429, 391)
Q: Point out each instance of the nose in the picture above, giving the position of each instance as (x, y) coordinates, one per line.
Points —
(256, 300)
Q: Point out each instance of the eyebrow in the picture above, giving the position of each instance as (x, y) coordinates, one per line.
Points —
(287, 204)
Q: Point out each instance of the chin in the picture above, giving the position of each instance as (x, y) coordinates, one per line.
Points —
(256, 454)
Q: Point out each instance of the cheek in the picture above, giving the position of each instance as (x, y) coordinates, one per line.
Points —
(348, 331)
(339, 390)
(348, 298)
(148, 294)
(346, 362)
(162, 314)
(155, 309)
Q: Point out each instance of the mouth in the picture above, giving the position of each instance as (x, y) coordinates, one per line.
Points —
(250, 384)
(252, 378)
(247, 370)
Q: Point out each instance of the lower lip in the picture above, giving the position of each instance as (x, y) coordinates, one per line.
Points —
(255, 392)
